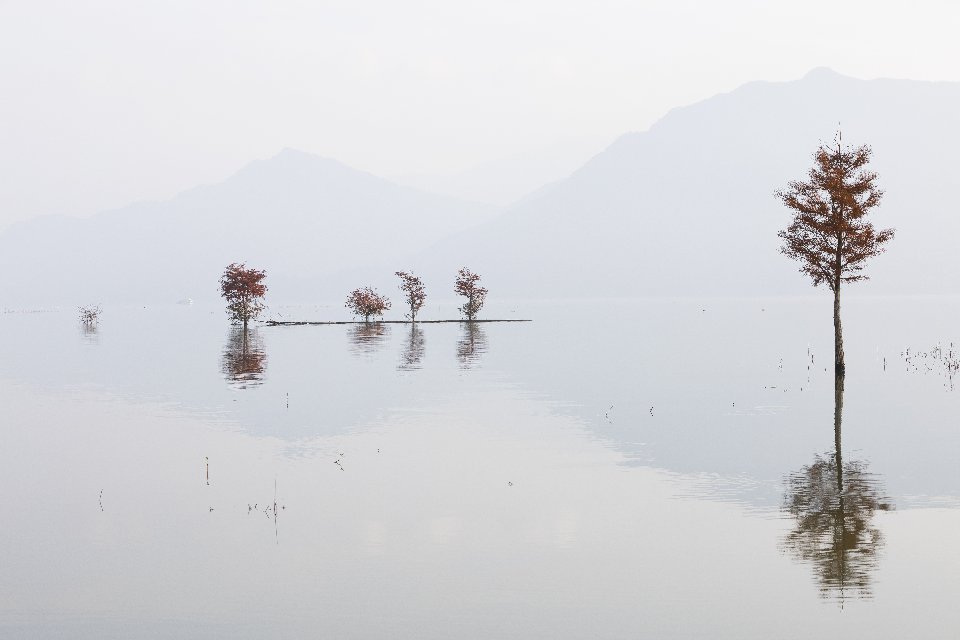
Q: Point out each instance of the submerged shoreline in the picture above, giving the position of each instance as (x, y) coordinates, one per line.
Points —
(283, 323)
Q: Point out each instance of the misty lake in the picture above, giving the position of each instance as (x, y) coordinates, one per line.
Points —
(613, 469)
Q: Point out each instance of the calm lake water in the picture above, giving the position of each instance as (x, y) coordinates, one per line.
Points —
(613, 469)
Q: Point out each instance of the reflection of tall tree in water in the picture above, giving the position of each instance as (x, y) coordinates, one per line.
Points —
(413, 351)
(367, 337)
(833, 503)
(472, 344)
(244, 357)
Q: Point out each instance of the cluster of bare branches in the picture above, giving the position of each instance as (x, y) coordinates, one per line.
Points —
(367, 302)
(89, 316)
(243, 289)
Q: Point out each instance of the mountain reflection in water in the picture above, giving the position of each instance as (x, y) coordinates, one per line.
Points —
(833, 503)
(244, 358)
(472, 344)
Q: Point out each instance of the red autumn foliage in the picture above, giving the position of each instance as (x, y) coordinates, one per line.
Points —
(830, 236)
(412, 286)
(467, 285)
(243, 289)
(367, 302)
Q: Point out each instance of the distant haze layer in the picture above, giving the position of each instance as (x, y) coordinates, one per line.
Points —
(688, 207)
(107, 102)
(685, 208)
(296, 215)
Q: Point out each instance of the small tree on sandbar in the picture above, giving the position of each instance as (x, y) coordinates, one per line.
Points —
(830, 236)
(415, 293)
(243, 289)
(467, 285)
(367, 302)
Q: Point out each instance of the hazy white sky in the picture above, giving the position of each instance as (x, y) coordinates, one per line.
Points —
(107, 102)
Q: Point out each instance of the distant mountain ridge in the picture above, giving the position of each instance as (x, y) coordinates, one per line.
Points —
(685, 208)
(295, 215)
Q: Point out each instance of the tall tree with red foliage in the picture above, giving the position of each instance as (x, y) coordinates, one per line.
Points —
(243, 289)
(830, 236)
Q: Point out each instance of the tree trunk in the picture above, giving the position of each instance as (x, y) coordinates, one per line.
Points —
(839, 366)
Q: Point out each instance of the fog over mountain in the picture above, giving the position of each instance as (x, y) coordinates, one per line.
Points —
(296, 215)
(510, 179)
(686, 208)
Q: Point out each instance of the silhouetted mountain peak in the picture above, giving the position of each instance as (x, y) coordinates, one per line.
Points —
(687, 207)
(820, 73)
(296, 214)
(295, 166)
(684, 208)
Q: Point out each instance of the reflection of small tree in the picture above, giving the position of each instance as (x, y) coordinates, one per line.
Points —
(244, 357)
(243, 289)
(368, 337)
(833, 503)
(413, 351)
(367, 302)
(415, 294)
(90, 333)
(467, 285)
(472, 344)
(89, 316)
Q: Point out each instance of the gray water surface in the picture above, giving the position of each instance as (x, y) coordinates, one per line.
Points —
(661, 468)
